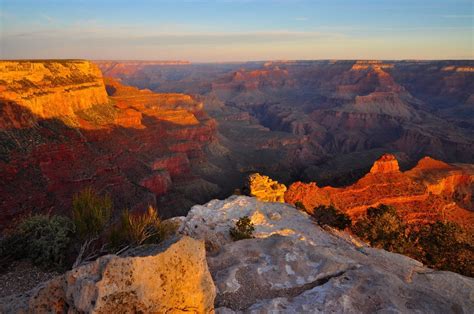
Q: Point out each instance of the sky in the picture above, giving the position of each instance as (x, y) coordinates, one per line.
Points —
(236, 30)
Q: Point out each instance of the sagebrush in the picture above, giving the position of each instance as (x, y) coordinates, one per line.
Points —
(136, 229)
(91, 213)
(43, 239)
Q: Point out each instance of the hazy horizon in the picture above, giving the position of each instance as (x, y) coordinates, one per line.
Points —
(237, 30)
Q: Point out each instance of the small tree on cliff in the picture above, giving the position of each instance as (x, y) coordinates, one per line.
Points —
(331, 216)
(300, 205)
(42, 239)
(243, 229)
(446, 246)
(382, 228)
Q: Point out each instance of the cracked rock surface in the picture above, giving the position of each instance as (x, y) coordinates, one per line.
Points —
(172, 277)
(293, 265)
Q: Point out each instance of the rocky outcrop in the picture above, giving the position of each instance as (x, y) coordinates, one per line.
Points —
(293, 265)
(290, 265)
(430, 191)
(172, 277)
(264, 188)
(385, 164)
(307, 194)
(52, 88)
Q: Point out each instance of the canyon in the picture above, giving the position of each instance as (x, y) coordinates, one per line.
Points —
(80, 131)
(292, 136)
(327, 121)
(173, 134)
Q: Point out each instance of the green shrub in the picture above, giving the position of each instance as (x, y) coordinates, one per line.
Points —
(137, 229)
(243, 229)
(43, 239)
(382, 228)
(331, 216)
(300, 205)
(91, 213)
(440, 245)
(445, 246)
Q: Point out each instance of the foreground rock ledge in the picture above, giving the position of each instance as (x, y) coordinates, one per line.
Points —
(170, 278)
(294, 266)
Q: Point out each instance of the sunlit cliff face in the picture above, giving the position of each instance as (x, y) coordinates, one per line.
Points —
(429, 192)
(62, 132)
(52, 89)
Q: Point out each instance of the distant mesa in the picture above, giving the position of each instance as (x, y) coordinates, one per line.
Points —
(118, 68)
(373, 64)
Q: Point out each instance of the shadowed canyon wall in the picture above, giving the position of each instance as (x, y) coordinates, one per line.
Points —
(61, 132)
(327, 120)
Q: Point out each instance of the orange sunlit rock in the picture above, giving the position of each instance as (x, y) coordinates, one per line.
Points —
(431, 191)
(385, 164)
(54, 88)
(265, 189)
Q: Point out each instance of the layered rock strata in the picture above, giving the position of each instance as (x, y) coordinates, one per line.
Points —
(52, 88)
(430, 191)
(61, 132)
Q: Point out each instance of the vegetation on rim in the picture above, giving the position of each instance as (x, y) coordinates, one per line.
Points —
(58, 242)
(243, 229)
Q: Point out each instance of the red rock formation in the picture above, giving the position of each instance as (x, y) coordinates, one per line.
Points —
(134, 145)
(385, 164)
(309, 194)
(432, 190)
(159, 182)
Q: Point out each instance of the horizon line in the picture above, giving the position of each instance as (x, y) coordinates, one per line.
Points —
(187, 62)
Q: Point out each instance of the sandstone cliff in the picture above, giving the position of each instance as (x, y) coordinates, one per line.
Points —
(264, 188)
(52, 88)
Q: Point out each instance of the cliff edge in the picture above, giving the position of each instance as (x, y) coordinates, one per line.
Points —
(52, 88)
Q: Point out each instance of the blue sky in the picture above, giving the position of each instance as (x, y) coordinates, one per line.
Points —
(236, 30)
